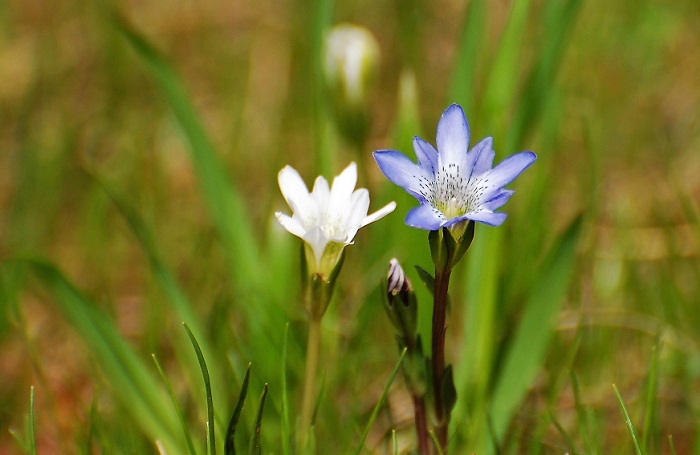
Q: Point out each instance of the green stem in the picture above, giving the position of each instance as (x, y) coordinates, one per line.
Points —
(307, 406)
(442, 282)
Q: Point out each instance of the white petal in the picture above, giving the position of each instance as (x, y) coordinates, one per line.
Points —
(356, 213)
(321, 196)
(318, 241)
(290, 224)
(379, 214)
(344, 185)
(294, 190)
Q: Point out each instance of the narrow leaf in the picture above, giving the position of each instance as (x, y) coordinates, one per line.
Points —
(178, 410)
(380, 403)
(531, 339)
(131, 381)
(230, 447)
(628, 422)
(255, 446)
(211, 440)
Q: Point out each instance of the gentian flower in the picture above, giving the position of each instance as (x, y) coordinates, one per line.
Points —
(326, 219)
(452, 183)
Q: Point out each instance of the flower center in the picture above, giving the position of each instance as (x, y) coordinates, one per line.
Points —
(450, 192)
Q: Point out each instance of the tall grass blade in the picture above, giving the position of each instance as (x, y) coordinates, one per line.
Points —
(177, 299)
(650, 412)
(31, 433)
(225, 204)
(211, 437)
(255, 445)
(380, 403)
(568, 440)
(129, 378)
(286, 430)
(560, 17)
(628, 422)
(503, 77)
(230, 445)
(176, 405)
(464, 74)
(584, 418)
(671, 445)
(531, 339)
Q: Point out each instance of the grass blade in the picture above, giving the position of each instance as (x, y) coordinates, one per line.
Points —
(177, 299)
(380, 403)
(650, 412)
(530, 342)
(131, 381)
(628, 422)
(255, 446)
(464, 76)
(31, 434)
(230, 446)
(225, 204)
(176, 405)
(286, 430)
(211, 439)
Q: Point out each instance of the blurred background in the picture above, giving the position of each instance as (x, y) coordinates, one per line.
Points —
(119, 113)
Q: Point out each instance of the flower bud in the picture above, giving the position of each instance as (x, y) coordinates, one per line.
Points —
(400, 303)
(351, 56)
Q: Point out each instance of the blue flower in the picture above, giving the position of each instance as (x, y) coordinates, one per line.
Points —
(453, 183)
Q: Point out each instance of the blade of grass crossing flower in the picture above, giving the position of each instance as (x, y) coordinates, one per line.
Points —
(255, 445)
(211, 438)
(526, 353)
(380, 403)
(225, 204)
(394, 441)
(129, 378)
(628, 422)
(464, 73)
(178, 410)
(230, 444)
(651, 426)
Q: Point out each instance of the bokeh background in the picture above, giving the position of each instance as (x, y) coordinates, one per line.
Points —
(95, 137)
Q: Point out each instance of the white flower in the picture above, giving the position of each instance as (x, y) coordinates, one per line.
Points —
(327, 219)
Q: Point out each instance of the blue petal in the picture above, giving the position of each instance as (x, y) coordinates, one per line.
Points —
(425, 217)
(453, 138)
(426, 154)
(510, 168)
(455, 220)
(484, 156)
(490, 218)
(498, 199)
(402, 171)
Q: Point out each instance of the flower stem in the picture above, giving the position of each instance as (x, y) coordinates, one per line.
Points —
(309, 394)
(421, 425)
(442, 282)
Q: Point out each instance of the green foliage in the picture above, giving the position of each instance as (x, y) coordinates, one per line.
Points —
(140, 146)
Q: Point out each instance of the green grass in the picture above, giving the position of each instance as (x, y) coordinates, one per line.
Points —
(139, 149)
